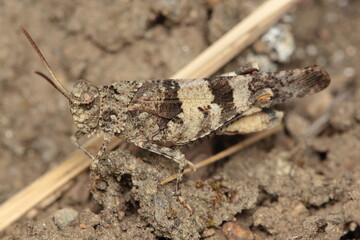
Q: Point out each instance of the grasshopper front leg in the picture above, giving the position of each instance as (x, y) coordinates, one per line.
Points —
(107, 138)
(75, 140)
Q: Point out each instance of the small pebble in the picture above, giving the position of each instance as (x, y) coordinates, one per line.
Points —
(208, 233)
(234, 232)
(9, 133)
(349, 72)
(322, 144)
(300, 53)
(185, 48)
(350, 51)
(64, 217)
(321, 61)
(318, 104)
(101, 185)
(342, 3)
(331, 17)
(74, 25)
(337, 57)
(311, 50)
(296, 125)
(279, 42)
(353, 226)
(83, 226)
(342, 117)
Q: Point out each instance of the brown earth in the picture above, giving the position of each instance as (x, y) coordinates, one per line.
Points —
(293, 185)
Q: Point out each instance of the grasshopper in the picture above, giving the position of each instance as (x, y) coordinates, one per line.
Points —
(162, 115)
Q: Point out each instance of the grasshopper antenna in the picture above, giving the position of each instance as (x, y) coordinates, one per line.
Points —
(54, 81)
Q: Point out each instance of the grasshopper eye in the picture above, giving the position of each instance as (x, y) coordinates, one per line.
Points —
(83, 92)
(87, 97)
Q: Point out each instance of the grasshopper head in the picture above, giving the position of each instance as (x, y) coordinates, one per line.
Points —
(84, 98)
(85, 106)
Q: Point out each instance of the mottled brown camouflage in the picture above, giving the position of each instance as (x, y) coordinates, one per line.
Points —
(156, 115)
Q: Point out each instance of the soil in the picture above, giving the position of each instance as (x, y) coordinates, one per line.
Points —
(302, 183)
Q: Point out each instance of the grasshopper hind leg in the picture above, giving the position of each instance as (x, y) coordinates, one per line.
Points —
(182, 164)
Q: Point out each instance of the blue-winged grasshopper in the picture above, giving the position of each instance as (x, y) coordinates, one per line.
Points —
(161, 115)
